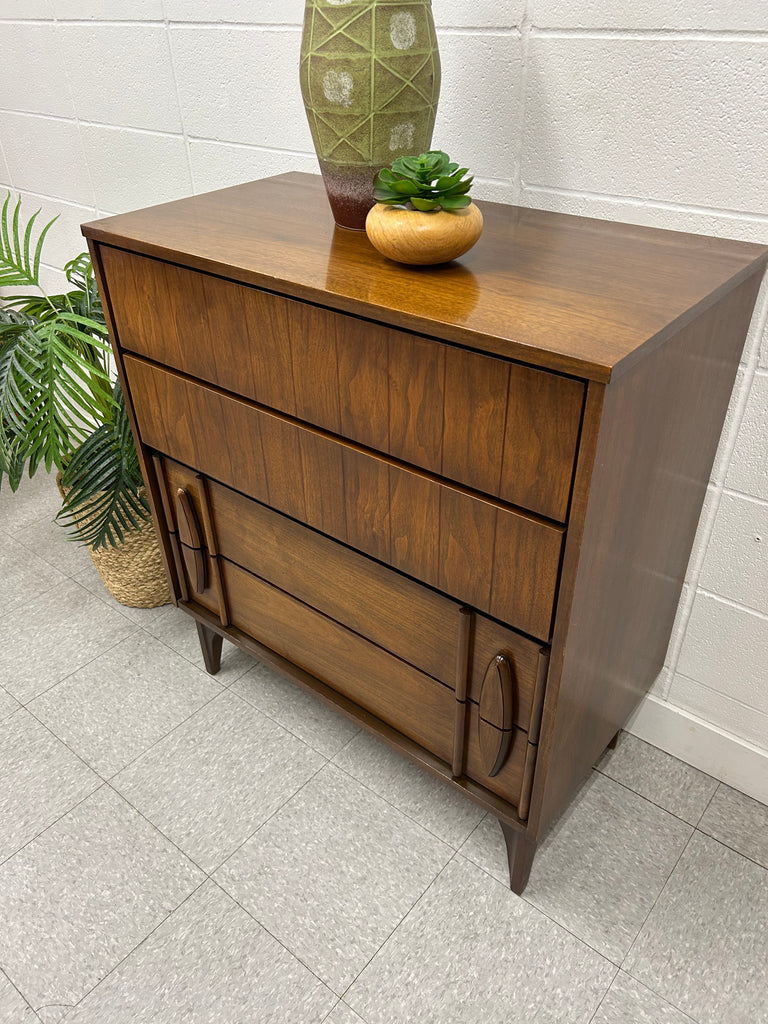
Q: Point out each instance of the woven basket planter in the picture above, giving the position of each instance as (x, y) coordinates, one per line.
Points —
(133, 572)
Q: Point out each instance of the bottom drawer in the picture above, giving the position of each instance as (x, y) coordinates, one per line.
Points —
(392, 690)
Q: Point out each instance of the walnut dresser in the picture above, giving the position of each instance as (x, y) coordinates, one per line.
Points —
(457, 503)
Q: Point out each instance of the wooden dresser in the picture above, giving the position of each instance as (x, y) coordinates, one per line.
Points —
(457, 503)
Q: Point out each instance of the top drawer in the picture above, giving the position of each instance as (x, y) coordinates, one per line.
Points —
(508, 430)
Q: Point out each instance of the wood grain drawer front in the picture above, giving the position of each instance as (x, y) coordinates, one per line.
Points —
(489, 557)
(411, 621)
(398, 694)
(507, 430)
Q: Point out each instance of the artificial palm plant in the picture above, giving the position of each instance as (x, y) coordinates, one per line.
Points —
(58, 405)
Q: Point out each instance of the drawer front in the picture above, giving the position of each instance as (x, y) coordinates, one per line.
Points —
(188, 532)
(507, 430)
(413, 622)
(507, 782)
(410, 701)
(486, 556)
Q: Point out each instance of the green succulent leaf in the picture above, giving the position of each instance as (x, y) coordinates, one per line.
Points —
(425, 182)
(424, 204)
(455, 202)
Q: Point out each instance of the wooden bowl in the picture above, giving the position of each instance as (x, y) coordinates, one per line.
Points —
(410, 236)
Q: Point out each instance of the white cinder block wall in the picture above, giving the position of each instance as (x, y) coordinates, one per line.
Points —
(650, 111)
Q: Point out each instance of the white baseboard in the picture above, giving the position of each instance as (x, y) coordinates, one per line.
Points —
(733, 761)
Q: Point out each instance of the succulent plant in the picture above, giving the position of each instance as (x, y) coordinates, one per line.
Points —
(425, 182)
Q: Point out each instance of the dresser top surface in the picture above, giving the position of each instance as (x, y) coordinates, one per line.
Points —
(568, 293)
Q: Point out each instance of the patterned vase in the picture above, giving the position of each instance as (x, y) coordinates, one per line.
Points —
(370, 80)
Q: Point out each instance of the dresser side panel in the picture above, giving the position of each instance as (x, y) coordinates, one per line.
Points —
(659, 430)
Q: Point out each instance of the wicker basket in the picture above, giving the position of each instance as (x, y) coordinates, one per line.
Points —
(133, 572)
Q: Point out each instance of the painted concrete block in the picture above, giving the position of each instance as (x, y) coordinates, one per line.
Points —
(720, 709)
(478, 120)
(26, 9)
(33, 76)
(129, 75)
(635, 118)
(53, 280)
(737, 15)
(678, 627)
(5, 174)
(45, 155)
(495, 190)
(243, 12)
(736, 563)
(700, 541)
(132, 169)
(219, 164)
(728, 435)
(109, 10)
(480, 14)
(241, 85)
(748, 468)
(648, 212)
(64, 240)
(726, 649)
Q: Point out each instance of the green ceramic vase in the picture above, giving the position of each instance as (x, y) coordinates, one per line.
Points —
(370, 80)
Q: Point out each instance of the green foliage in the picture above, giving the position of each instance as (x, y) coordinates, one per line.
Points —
(426, 182)
(57, 403)
(105, 498)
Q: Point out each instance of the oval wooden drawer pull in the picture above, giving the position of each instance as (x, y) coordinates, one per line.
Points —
(496, 714)
(191, 538)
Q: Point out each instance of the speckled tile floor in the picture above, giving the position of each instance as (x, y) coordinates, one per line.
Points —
(181, 848)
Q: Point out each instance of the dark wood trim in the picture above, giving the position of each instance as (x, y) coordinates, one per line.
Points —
(213, 548)
(462, 683)
(210, 645)
(521, 849)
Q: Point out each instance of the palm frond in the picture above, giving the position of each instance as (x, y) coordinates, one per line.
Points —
(105, 498)
(50, 393)
(19, 266)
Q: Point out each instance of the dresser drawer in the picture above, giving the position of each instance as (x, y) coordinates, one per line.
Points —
(411, 621)
(507, 430)
(492, 558)
(406, 699)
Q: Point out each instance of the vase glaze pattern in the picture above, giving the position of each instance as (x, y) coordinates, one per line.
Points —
(370, 80)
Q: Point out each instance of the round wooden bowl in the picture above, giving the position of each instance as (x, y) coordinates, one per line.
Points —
(410, 236)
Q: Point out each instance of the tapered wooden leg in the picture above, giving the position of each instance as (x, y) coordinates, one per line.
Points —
(614, 741)
(520, 852)
(210, 644)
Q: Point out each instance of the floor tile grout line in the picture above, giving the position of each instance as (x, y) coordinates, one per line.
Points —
(718, 787)
(110, 778)
(79, 668)
(13, 984)
(664, 889)
(604, 996)
(242, 696)
(137, 946)
(558, 924)
(277, 810)
(648, 800)
(405, 916)
(727, 846)
(278, 940)
(51, 824)
(389, 803)
(157, 829)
